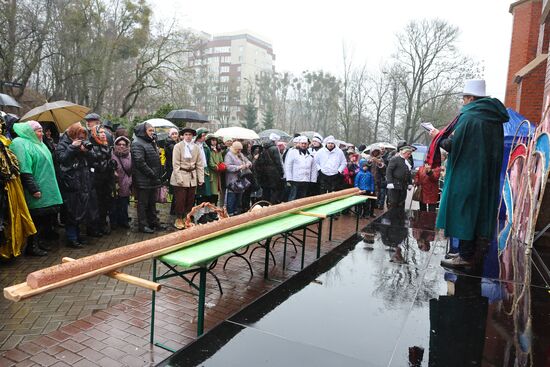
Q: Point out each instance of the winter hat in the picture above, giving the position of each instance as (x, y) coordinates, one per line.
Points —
(172, 130)
(34, 124)
(92, 117)
(226, 139)
(318, 137)
(122, 138)
(329, 140)
(236, 145)
(274, 137)
(300, 139)
(201, 130)
(362, 147)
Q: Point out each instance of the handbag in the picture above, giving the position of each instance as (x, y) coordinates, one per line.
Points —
(417, 194)
(239, 185)
(162, 194)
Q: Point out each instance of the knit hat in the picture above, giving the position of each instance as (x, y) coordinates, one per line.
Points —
(274, 137)
(122, 138)
(226, 139)
(34, 124)
(329, 140)
(300, 139)
(172, 130)
(318, 137)
(201, 130)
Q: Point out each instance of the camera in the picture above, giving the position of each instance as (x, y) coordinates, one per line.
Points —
(87, 144)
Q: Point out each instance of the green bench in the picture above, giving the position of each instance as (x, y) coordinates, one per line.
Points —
(197, 257)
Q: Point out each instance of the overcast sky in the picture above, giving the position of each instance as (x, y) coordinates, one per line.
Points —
(308, 35)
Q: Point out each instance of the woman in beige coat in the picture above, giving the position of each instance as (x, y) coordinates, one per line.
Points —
(187, 174)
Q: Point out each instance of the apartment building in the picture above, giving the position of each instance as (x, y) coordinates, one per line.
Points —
(226, 70)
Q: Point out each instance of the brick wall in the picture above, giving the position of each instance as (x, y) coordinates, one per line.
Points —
(531, 94)
(523, 49)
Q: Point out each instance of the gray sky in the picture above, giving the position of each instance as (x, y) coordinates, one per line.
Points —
(308, 35)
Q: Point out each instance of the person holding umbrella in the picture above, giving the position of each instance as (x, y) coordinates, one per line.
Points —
(38, 178)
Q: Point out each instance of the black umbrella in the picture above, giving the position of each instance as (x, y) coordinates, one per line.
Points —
(186, 116)
(6, 100)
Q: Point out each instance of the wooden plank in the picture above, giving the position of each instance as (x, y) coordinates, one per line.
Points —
(312, 214)
(130, 279)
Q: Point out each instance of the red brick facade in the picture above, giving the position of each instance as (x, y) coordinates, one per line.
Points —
(529, 39)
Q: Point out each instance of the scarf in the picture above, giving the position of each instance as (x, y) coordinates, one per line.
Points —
(433, 158)
(303, 151)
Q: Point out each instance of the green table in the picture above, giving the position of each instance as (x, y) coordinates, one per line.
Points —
(201, 254)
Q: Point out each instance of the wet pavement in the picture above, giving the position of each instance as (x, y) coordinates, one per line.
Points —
(103, 322)
(381, 298)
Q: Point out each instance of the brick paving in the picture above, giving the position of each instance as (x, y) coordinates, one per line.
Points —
(104, 322)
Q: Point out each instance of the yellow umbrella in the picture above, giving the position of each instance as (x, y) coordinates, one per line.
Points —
(62, 113)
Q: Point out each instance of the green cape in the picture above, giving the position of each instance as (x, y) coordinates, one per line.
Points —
(35, 158)
(469, 202)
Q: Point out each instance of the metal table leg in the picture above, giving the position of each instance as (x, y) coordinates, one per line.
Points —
(153, 295)
(266, 265)
(319, 233)
(202, 296)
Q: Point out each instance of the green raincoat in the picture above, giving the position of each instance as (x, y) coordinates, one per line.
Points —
(469, 202)
(35, 159)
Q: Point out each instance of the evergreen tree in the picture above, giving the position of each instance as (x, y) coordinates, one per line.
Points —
(250, 113)
(269, 119)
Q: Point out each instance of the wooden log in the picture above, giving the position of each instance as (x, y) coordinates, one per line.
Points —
(87, 267)
(130, 279)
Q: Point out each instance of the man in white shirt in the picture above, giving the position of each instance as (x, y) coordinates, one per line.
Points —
(331, 162)
(300, 169)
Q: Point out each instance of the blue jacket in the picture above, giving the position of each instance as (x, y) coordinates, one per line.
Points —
(364, 181)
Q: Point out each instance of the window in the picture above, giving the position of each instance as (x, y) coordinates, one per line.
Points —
(224, 69)
(239, 68)
(225, 59)
(224, 78)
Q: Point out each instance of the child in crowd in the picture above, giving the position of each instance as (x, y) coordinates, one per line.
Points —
(365, 182)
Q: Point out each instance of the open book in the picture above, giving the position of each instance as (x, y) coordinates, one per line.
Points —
(427, 125)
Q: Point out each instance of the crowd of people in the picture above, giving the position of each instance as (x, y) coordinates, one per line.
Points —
(84, 180)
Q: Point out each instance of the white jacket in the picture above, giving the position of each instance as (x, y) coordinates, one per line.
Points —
(300, 167)
(330, 162)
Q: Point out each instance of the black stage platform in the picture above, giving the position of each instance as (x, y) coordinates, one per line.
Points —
(381, 298)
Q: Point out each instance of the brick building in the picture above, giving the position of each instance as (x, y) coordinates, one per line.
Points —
(528, 83)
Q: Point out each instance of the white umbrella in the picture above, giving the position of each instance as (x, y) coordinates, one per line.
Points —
(160, 123)
(237, 132)
(386, 145)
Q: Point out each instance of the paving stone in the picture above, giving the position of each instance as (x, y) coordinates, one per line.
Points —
(105, 322)
(43, 359)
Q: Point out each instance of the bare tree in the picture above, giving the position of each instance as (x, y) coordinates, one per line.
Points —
(426, 55)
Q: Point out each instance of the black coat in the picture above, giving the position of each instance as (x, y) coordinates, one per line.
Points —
(146, 167)
(398, 173)
(269, 166)
(75, 178)
(168, 153)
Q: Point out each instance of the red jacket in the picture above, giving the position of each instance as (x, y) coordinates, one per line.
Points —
(429, 184)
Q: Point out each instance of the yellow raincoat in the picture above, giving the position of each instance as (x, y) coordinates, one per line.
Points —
(19, 224)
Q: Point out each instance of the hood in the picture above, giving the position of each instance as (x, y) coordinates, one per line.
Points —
(139, 130)
(25, 131)
(488, 109)
(268, 144)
